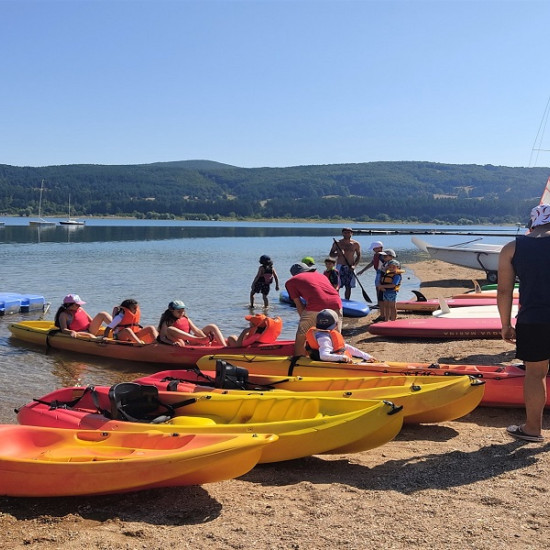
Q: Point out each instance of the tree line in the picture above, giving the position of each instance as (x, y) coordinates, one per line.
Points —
(376, 191)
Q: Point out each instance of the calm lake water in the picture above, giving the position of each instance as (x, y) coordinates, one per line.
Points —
(208, 265)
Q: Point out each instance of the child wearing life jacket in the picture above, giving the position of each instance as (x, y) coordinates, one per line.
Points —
(262, 282)
(177, 329)
(262, 329)
(331, 272)
(72, 319)
(390, 283)
(125, 325)
(327, 344)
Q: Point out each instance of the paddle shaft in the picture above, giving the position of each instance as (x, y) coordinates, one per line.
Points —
(365, 295)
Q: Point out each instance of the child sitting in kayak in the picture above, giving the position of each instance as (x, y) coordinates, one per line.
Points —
(177, 329)
(262, 282)
(72, 319)
(262, 329)
(325, 343)
(125, 325)
(390, 283)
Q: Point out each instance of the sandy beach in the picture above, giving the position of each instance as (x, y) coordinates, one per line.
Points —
(455, 485)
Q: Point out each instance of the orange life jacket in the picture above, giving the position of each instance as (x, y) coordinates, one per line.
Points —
(79, 321)
(130, 320)
(338, 342)
(265, 330)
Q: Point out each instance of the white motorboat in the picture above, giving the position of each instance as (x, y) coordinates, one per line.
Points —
(481, 256)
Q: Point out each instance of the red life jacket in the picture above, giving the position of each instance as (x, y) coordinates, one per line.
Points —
(183, 324)
(79, 321)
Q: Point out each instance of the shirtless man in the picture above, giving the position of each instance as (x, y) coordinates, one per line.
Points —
(346, 249)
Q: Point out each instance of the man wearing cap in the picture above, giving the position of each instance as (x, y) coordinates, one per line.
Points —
(376, 247)
(528, 258)
(348, 254)
(317, 292)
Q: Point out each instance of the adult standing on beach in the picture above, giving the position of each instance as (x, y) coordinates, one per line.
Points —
(347, 252)
(318, 294)
(377, 247)
(528, 258)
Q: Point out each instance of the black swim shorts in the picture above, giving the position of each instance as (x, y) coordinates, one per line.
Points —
(533, 341)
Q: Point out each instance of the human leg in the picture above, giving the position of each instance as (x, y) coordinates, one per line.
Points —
(534, 392)
(251, 298)
(147, 334)
(307, 320)
(128, 335)
(97, 321)
(216, 333)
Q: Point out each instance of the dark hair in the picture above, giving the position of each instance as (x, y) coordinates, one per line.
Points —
(61, 309)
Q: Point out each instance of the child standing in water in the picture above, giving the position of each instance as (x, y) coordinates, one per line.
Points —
(262, 282)
(331, 272)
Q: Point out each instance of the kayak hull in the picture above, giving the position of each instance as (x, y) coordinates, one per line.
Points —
(304, 425)
(44, 334)
(503, 383)
(47, 462)
(425, 399)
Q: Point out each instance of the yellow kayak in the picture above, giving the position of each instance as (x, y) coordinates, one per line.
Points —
(424, 398)
(46, 462)
(305, 425)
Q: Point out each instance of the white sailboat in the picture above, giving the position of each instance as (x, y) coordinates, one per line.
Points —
(41, 221)
(475, 256)
(69, 220)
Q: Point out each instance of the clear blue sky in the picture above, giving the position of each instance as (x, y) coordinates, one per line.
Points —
(273, 82)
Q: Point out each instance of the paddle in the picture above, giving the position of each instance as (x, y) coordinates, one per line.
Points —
(365, 295)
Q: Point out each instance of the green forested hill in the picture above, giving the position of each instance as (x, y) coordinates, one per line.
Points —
(377, 191)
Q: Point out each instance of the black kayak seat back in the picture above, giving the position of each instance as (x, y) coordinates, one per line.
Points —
(137, 403)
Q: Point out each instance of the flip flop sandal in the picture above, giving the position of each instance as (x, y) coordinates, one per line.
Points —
(518, 433)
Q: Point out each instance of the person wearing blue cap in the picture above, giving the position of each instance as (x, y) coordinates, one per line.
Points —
(325, 342)
(177, 329)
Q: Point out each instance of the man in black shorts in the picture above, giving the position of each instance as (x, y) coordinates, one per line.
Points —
(528, 258)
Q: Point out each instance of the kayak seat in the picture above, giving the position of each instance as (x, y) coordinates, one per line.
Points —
(138, 403)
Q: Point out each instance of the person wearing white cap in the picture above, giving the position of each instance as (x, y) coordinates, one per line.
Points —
(72, 319)
(377, 247)
(528, 259)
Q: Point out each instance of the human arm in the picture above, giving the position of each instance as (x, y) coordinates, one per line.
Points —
(355, 352)
(117, 318)
(299, 305)
(368, 266)
(357, 254)
(276, 279)
(505, 290)
(326, 350)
